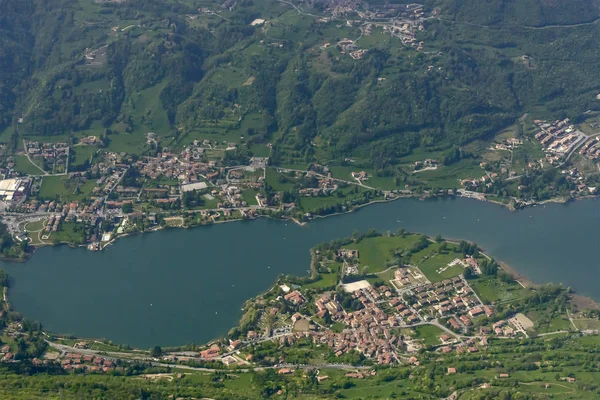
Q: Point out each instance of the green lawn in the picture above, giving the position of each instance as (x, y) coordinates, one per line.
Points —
(429, 334)
(83, 154)
(328, 280)
(260, 150)
(375, 252)
(23, 165)
(492, 290)
(430, 261)
(448, 177)
(35, 226)
(375, 181)
(64, 189)
(280, 181)
(132, 143)
(249, 196)
(69, 232)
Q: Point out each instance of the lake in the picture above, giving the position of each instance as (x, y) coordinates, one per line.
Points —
(188, 286)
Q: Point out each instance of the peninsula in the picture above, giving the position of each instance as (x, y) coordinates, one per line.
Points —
(448, 318)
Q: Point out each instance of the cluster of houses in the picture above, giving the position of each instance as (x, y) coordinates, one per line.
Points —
(558, 137)
(369, 330)
(574, 176)
(450, 297)
(325, 186)
(76, 361)
(53, 154)
(53, 223)
(373, 330)
(5, 353)
(591, 149)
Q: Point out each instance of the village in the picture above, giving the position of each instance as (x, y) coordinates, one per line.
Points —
(119, 193)
(381, 321)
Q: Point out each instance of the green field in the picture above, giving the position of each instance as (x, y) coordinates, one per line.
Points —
(274, 179)
(448, 177)
(83, 154)
(375, 252)
(260, 150)
(492, 290)
(430, 260)
(23, 165)
(374, 181)
(69, 232)
(249, 196)
(429, 334)
(132, 143)
(35, 226)
(64, 189)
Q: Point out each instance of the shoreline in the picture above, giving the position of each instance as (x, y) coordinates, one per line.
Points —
(299, 223)
(580, 302)
(519, 277)
(509, 206)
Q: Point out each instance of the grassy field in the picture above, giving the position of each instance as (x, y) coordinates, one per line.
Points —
(23, 165)
(62, 188)
(249, 196)
(273, 180)
(35, 226)
(431, 259)
(260, 150)
(448, 177)
(375, 252)
(326, 281)
(69, 232)
(548, 321)
(132, 143)
(587, 323)
(83, 154)
(492, 290)
(375, 181)
(429, 334)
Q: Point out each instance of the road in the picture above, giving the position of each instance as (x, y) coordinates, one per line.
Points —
(129, 357)
(30, 160)
(325, 177)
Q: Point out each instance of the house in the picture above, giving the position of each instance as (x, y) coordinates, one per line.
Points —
(488, 311)
(295, 297)
(210, 353)
(451, 371)
(476, 311)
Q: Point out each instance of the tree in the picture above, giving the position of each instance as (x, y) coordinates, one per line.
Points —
(156, 351)
(127, 208)
(469, 273)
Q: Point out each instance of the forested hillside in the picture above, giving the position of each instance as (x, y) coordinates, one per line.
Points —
(523, 12)
(121, 70)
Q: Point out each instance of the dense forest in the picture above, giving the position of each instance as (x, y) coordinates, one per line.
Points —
(75, 67)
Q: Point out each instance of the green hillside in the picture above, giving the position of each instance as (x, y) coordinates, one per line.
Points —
(193, 70)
